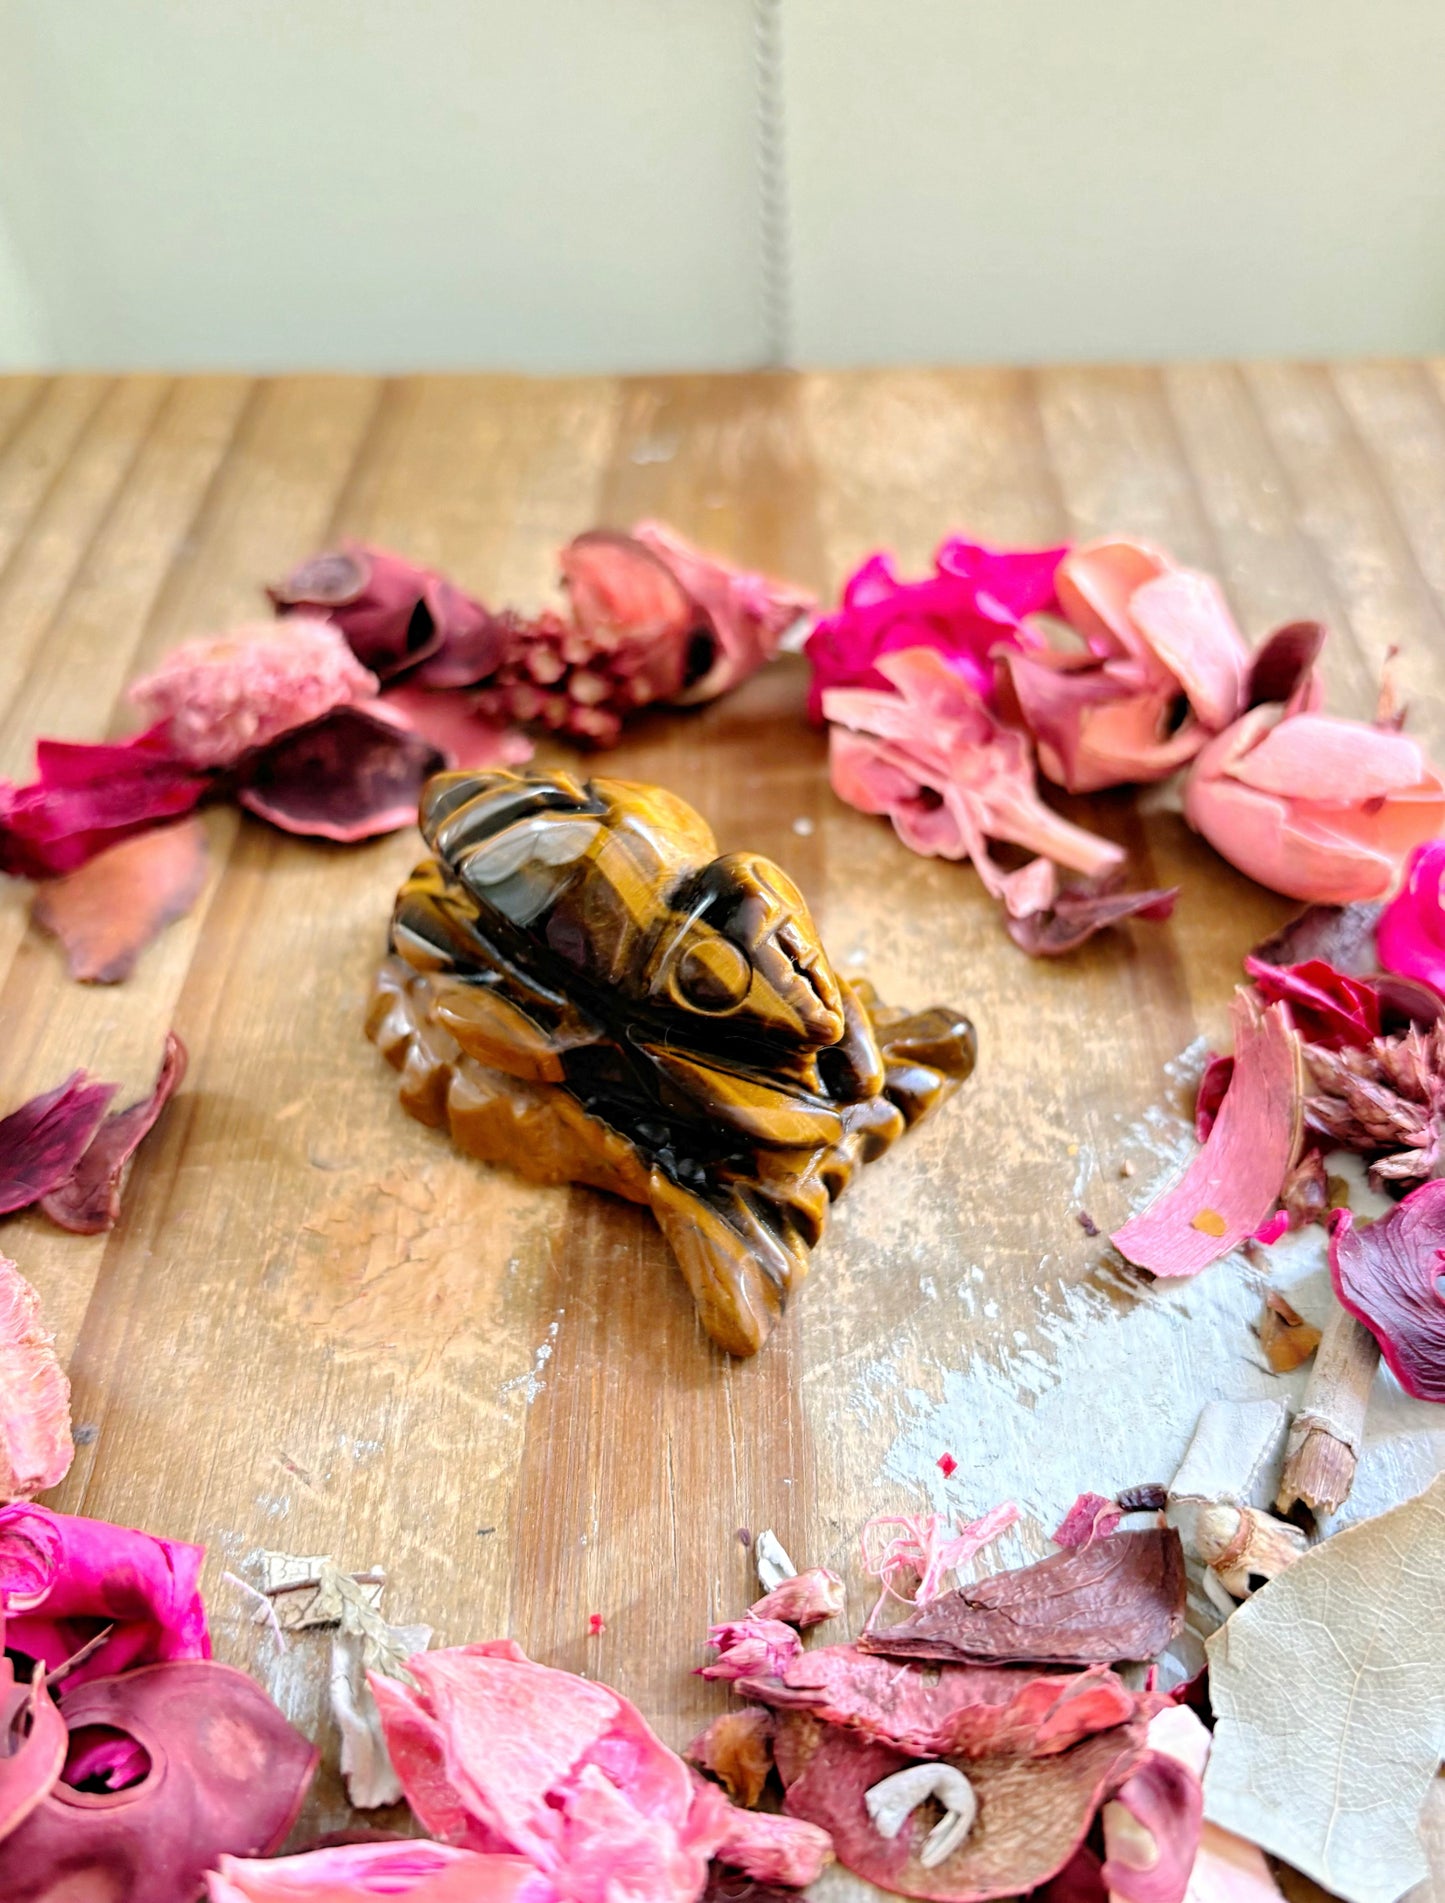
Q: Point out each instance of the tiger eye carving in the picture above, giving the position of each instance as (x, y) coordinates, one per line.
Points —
(582, 988)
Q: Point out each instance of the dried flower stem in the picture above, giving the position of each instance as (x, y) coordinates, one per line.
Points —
(1328, 1431)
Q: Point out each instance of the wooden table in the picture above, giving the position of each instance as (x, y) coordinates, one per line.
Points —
(318, 1329)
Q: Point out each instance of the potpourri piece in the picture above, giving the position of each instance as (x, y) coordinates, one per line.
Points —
(35, 1444)
(582, 988)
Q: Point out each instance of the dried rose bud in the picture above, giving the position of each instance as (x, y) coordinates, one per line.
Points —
(806, 1599)
(751, 1648)
(394, 613)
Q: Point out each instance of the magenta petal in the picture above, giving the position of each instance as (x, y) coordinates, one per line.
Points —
(1165, 1798)
(56, 1568)
(1233, 1183)
(1326, 1006)
(1411, 932)
(88, 1202)
(42, 1141)
(355, 774)
(90, 796)
(1388, 1276)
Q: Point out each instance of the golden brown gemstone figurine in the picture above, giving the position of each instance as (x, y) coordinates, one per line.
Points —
(583, 989)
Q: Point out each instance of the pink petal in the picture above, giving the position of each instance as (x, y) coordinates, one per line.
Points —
(107, 912)
(807, 1599)
(1096, 584)
(1217, 1077)
(424, 1872)
(1326, 1006)
(748, 613)
(1389, 1277)
(88, 1201)
(90, 796)
(35, 1445)
(1091, 1517)
(1186, 621)
(746, 1647)
(1331, 762)
(465, 740)
(1411, 932)
(1229, 1870)
(217, 698)
(1166, 1803)
(1080, 911)
(1233, 1183)
(32, 1765)
(356, 774)
(775, 1849)
(63, 1577)
(42, 1141)
(393, 613)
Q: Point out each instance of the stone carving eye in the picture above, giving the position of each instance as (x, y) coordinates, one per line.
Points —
(714, 975)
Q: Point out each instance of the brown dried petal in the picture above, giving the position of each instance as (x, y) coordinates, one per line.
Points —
(738, 1749)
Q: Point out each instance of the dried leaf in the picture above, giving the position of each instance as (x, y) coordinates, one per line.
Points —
(42, 1141)
(371, 1778)
(1286, 1338)
(1238, 1174)
(109, 911)
(1329, 1691)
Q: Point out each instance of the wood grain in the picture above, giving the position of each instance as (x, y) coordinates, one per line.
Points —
(318, 1329)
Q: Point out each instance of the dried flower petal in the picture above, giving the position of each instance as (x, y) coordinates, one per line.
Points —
(1287, 1339)
(1119, 1598)
(88, 1201)
(750, 1646)
(1032, 1813)
(42, 1141)
(1078, 911)
(1237, 1175)
(341, 1873)
(35, 1445)
(1090, 1518)
(1152, 1824)
(1342, 935)
(949, 775)
(1326, 1006)
(775, 1849)
(459, 733)
(950, 1710)
(976, 601)
(393, 613)
(738, 1749)
(109, 910)
(1154, 633)
(746, 613)
(1412, 925)
(61, 1576)
(89, 796)
(355, 774)
(1281, 669)
(804, 1600)
(217, 698)
(1312, 806)
(1389, 1277)
(36, 1743)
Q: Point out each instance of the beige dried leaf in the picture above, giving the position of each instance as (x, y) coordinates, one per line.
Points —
(1329, 1689)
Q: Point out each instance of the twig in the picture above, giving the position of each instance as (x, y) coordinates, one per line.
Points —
(1328, 1432)
(267, 1609)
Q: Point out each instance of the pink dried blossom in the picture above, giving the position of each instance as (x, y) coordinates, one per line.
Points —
(751, 1646)
(88, 796)
(1090, 1518)
(1312, 806)
(806, 1599)
(1153, 633)
(976, 601)
(746, 613)
(220, 697)
(395, 614)
(950, 775)
(772, 1849)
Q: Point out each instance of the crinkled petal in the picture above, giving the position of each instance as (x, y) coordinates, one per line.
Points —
(88, 796)
(1411, 932)
(35, 1445)
(88, 1201)
(62, 1576)
(806, 1599)
(466, 740)
(393, 613)
(217, 698)
(1091, 1517)
(747, 1647)
(109, 910)
(1078, 912)
(355, 774)
(774, 1849)
(1326, 1006)
(1233, 1182)
(42, 1141)
(1388, 1276)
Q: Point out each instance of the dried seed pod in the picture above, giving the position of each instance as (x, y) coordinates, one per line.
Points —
(1244, 1546)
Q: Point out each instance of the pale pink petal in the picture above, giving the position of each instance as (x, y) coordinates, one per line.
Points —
(1233, 1182)
(806, 1599)
(773, 1849)
(348, 1873)
(1303, 860)
(1184, 617)
(1229, 1870)
(1095, 584)
(1338, 762)
(468, 741)
(35, 1445)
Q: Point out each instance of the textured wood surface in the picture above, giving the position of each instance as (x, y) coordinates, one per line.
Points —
(317, 1328)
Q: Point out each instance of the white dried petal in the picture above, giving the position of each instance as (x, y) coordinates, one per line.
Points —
(771, 1559)
(892, 1801)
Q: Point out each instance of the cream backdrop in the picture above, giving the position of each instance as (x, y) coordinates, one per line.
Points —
(575, 184)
